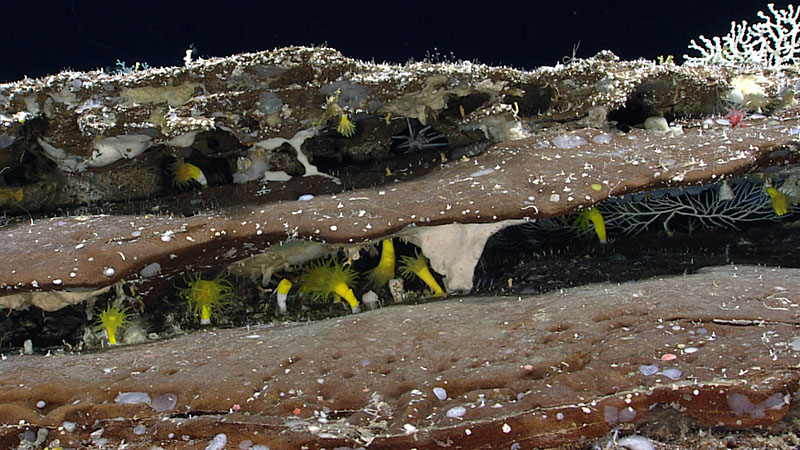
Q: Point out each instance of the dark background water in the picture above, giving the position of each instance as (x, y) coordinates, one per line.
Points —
(43, 37)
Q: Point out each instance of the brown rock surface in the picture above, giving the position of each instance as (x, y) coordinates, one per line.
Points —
(539, 371)
(261, 95)
(526, 178)
(546, 370)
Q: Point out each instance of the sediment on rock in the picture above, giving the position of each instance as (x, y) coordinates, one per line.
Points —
(125, 187)
(543, 370)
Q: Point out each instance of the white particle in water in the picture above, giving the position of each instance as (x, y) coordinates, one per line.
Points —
(440, 393)
(109, 271)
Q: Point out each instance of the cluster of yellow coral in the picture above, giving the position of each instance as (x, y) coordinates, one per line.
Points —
(327, 278)
(323, 279)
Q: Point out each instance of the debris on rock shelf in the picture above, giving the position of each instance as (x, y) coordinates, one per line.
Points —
(631, 252)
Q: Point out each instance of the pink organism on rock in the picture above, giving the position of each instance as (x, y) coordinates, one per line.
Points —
(735, 117)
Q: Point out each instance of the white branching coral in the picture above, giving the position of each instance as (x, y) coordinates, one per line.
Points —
(773, 43)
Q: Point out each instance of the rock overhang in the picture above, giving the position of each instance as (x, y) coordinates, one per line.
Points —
(250, 99)
(544, 371)
(538, 177)
(534, 144)
(521, 146)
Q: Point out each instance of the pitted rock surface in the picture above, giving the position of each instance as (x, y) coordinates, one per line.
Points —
(719, 346)
(529, 178)
(539, 371)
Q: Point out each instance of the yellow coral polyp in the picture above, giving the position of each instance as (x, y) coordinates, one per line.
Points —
(324, 279)
(591, 217)
(418, 265)
(283, 293)
(10, 195)
(111, 319)
(183, 173)
(205, 296)
(346, 128)
(384, 271)
(780, 201)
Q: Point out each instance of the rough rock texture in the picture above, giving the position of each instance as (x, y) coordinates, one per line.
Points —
(539, 371)
(505, 145)
(119, 131)
(257, 96)
(529, 178)
(74, 139)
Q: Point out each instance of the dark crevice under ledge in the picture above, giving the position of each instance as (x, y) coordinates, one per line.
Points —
(530, 178)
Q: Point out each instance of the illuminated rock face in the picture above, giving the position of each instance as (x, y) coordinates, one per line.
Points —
(542, 371)
(277, 112)
(530, 178)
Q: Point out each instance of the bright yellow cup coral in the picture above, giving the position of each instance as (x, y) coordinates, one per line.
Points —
(111, 319)
(418, 265)
(183, 173)
(325, 278)
(283, 293)
(9, 196)
(384, 271)
(780, 202)
(205, 296)
(346, 128)
(591, 217)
